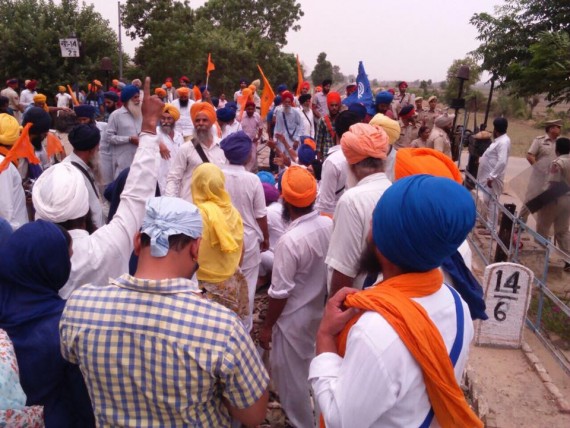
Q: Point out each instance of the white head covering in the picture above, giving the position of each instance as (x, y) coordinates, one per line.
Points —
(60, 194)
(166, 216)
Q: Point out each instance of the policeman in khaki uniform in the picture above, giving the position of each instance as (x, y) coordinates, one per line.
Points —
(541, 154)
(408, 127)
(427, 118)
(557, 213)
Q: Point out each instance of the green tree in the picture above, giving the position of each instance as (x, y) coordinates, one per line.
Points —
(31, 31)
(507, 36)
(323, 70)
(451, 88)
(338, 77)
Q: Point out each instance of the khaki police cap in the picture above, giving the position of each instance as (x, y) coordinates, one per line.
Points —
(430, 99)
(557, 122)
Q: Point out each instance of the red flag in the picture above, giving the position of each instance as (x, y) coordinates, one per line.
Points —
(299, 78)
(211, 66)
(267, 95)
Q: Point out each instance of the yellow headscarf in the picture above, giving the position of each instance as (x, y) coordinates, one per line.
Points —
(223, 225)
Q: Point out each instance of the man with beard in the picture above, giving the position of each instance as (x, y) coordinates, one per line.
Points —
(111, 101)
(13, 98)
(320, 102)
(204, 147)
(326, 134)
(170, 142)
(288, 126)
(407, 338)
(227, 120)
(253, 126)
(296, 295)
(85, 157)
(123, 130)
(383, 102)
(365, 148)
(439, 136)
(183, 104)
(409, 127)
(95, 97)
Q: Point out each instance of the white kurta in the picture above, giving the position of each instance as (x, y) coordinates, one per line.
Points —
(184, 125)
(333, 180)
(183, 164)
(299, 275)
(293, 131)
(308, 121)
(120, 128)
(13, 205)
(228, 129)
(173, 144)
(105, 254)
(378, 383)
(492, 165)
(248, 198)
(94, 201)
(27, 97)
(276, 227)
(105, 157)
(352, 223)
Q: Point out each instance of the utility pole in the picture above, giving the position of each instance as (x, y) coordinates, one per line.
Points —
(120, 42)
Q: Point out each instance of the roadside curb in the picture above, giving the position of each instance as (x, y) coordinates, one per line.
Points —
(478, 400)
(534, 361)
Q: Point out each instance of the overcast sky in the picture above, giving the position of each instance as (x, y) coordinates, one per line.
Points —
(397, 40)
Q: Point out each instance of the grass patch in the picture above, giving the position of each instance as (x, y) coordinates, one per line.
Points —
(553, 320)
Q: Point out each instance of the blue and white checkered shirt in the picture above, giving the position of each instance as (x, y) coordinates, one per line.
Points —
(155, 354)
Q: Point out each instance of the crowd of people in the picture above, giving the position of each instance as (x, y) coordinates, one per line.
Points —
(134, 239)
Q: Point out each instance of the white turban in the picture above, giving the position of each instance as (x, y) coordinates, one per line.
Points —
(60, 194)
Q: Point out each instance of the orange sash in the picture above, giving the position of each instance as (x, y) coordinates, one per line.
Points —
(392, 300)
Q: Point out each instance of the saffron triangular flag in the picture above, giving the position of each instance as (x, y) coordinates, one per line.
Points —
(21, 149)
(267, 95)
(299, 78)
(211, 66)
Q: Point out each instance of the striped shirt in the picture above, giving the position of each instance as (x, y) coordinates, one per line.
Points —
(155, 353)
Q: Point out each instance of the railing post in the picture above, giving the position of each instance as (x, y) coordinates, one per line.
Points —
(505, 233)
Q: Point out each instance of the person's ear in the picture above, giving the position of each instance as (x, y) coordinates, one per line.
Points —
(194, 247)
(137, 244)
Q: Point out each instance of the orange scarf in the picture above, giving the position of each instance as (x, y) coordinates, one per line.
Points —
(392, 300)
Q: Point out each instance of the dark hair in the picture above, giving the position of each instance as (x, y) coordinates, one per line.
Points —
(327, 82)
(563, 146)
(301, 211)
(422, 130)
(84, 223)
(4, 101)
(370, 163)
(66, 234)
(344, 121)
(175, 242)
(501, 124)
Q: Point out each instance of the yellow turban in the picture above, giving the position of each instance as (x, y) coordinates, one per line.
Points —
(183, 91)
(172, 111)
(390, 126)
(411, 161)
(40, 98)
(299, 187)
(9, 129)
(61, 88)
(363, 141)
(203, 107)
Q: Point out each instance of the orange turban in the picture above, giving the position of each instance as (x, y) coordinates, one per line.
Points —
(333, 97)
(203, 107)
(183, 91)
(309, 142)
(363, 141)
(40, 98)
(168, 85)
(410, 161)
(115, 82)
(299, 187)
(390, 126)
(252, 88)
(172, 111)
(160, 92)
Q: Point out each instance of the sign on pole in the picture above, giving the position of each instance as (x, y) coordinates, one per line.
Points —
(507, 296)
(69, 48)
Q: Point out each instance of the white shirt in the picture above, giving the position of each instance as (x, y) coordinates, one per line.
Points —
(13, 205)
(105, 253)
(378, 383)
(27, 97)
(352, 223)
(300, 276)
(63, 99)
(94, 201)
(333, 180)
(173, 144)
(184, 125)
(228, 129)
(493, 163)
(275, 224)
(248, 198)
(120, 128)
(307, 119)
(292, 131)
(180, 174)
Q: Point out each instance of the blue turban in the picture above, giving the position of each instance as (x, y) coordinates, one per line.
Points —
(232, 105)
(5, 230)
(40, 119)
(266, 177)
(84, 137)
(85, 110)
(359, 109)
(384, 97)
(166, 216)
(236, 147)
(277, 100)
(282, 87)
(128, 92)
(306, 155)
(110, 95)
(420, 220)
(225, 114)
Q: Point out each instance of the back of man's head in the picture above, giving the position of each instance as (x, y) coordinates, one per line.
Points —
(563, 146)
(500, 125)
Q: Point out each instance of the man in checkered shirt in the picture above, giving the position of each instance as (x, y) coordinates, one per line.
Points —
(152, 350)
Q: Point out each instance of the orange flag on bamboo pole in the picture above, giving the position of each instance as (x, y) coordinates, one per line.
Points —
(211, 66)
(299, 78)
(22, 148)
(73, 97)
(267, 95)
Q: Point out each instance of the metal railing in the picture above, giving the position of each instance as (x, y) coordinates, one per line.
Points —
(537, 259)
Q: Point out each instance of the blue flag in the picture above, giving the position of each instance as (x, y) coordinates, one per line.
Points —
(363, 94)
